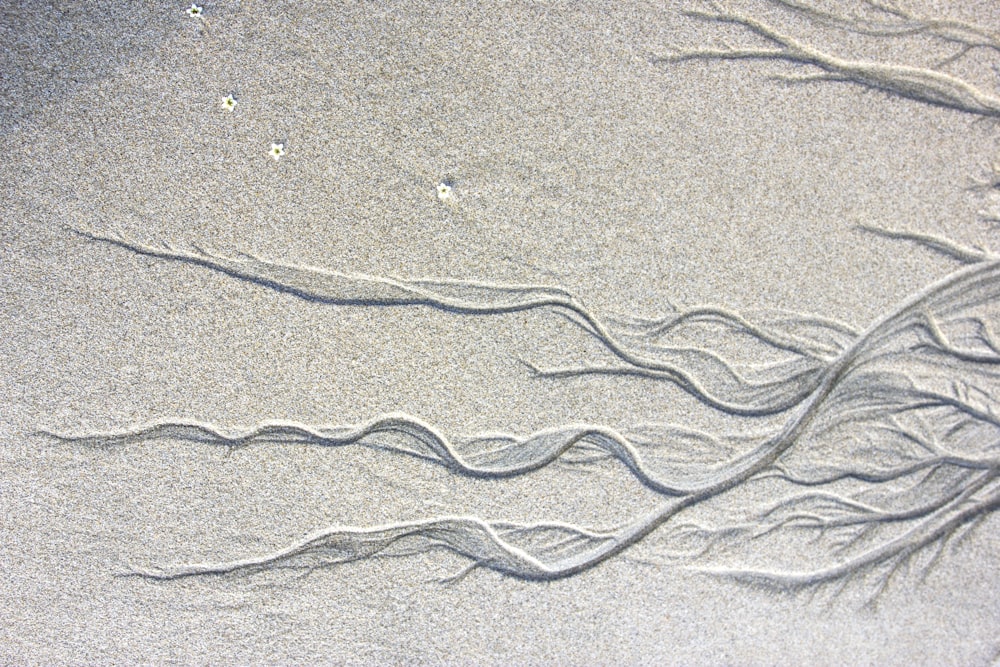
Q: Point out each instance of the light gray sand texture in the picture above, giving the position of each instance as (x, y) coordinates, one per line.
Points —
(574, 161)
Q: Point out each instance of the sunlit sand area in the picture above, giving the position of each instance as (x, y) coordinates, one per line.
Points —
(557, 333)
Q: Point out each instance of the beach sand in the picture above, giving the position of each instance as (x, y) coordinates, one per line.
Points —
(572, 160)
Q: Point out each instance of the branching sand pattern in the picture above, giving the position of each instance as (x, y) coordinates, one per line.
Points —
(887, 430)
(637, 346)
(924, 85)
(893, 21)
(889, 443)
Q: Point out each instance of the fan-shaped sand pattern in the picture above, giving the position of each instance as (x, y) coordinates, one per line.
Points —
(896, 429)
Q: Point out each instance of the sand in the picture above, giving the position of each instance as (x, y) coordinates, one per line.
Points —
(572, 159)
